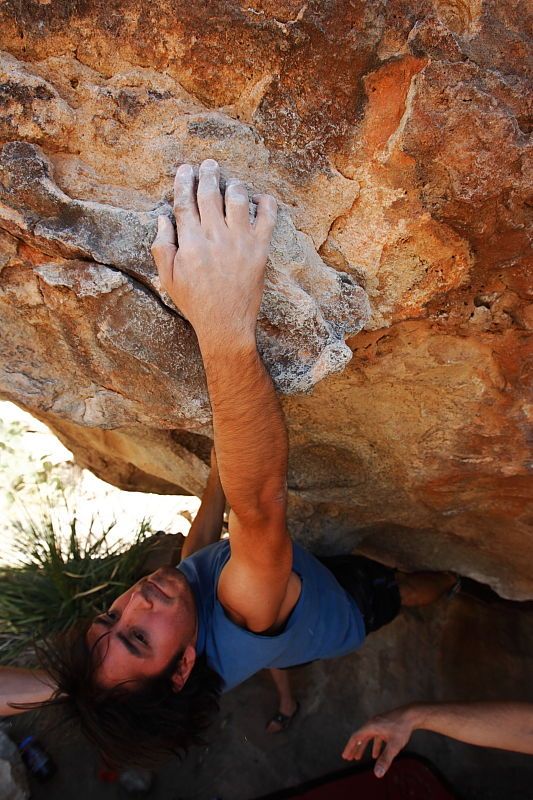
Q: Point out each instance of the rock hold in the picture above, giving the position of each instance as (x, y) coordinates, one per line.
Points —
(308, 307)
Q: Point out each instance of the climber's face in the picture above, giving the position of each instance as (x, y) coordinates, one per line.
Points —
(144, 630)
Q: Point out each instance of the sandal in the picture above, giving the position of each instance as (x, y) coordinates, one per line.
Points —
(456, 588)
(283, 720)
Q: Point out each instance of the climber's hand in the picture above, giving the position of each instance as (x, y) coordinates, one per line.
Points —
(215, 271)
(389, 731)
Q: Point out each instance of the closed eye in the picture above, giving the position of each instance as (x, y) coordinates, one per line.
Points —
(140, 637)
(108, 619)
(105, 621)
(130, 647)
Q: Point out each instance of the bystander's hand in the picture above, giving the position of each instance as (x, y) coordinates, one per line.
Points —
(389, 733)
(506, 725)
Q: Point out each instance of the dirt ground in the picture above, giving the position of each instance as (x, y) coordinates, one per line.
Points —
(458, 649)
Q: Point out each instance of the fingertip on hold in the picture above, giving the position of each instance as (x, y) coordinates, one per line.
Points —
(379, 771)
(269, 202)
(209, 164)
(233, 185)
(237, 192)
(184, 171)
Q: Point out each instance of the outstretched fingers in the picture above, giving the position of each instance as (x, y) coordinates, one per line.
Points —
(386, 758)
(356, 746)
(209, 197)
(164, 250)
(376, 746)
(185, 208)
(265, 218)
(237, 205)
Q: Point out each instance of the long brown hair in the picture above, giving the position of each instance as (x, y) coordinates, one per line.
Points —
(130, 726)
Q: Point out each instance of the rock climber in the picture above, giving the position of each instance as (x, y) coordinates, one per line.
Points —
(144, 678)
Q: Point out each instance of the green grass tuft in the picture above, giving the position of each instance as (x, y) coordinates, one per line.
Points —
(63, 575)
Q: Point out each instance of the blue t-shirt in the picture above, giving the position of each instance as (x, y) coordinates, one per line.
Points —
(325, 622)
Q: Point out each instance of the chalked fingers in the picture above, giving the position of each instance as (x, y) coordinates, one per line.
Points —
(185, 208)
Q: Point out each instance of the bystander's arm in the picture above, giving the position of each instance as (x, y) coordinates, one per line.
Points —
(507, 726)
(19, 685)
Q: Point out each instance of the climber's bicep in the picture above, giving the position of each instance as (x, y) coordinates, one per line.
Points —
(255, 587)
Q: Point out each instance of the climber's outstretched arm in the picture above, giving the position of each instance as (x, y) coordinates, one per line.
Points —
(216, 279)
(19, 685)
(508, 726)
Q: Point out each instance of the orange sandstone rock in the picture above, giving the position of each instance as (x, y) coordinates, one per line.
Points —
(395, 139)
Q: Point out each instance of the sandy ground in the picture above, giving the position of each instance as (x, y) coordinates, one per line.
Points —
(243, 762)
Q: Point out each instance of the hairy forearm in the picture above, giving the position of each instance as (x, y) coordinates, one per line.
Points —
(207, 525)
(508, 726)
(216, 278)
(23, 686)
(249, 428)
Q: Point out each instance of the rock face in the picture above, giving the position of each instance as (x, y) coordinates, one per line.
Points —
(394, 136)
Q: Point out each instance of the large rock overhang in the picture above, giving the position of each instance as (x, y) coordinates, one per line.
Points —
(395, 322)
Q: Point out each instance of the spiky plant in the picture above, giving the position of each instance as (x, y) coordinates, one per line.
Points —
(63, 575)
